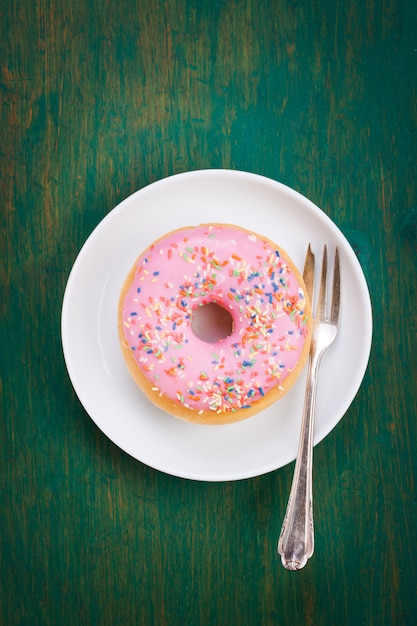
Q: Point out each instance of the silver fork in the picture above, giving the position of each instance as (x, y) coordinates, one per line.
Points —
(296, 541)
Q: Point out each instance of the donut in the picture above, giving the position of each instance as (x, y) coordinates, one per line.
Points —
(214, 323)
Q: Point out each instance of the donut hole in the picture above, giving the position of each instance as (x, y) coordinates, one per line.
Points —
(211, 322)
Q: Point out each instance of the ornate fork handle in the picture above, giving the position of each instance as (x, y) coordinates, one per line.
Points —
(296, 542)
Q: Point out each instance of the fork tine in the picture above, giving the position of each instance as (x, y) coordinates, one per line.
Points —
(308, 273)
(321, 305)
(335, 309)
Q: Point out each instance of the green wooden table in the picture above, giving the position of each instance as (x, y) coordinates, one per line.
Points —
(100, 98)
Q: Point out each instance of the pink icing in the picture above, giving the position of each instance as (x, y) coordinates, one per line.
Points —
(242, 272)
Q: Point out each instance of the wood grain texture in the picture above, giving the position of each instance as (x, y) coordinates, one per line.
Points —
(101, 98)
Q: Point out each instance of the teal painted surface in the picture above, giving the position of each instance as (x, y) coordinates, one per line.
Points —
(101, 98)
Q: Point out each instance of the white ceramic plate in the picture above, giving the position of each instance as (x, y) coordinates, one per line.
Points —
(90, 341)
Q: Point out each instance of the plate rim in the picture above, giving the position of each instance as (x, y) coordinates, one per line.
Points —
(113, 214)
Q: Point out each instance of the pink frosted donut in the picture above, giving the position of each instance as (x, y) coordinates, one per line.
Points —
(214, 323)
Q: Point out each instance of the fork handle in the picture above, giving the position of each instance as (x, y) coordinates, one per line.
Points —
(296, 541)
